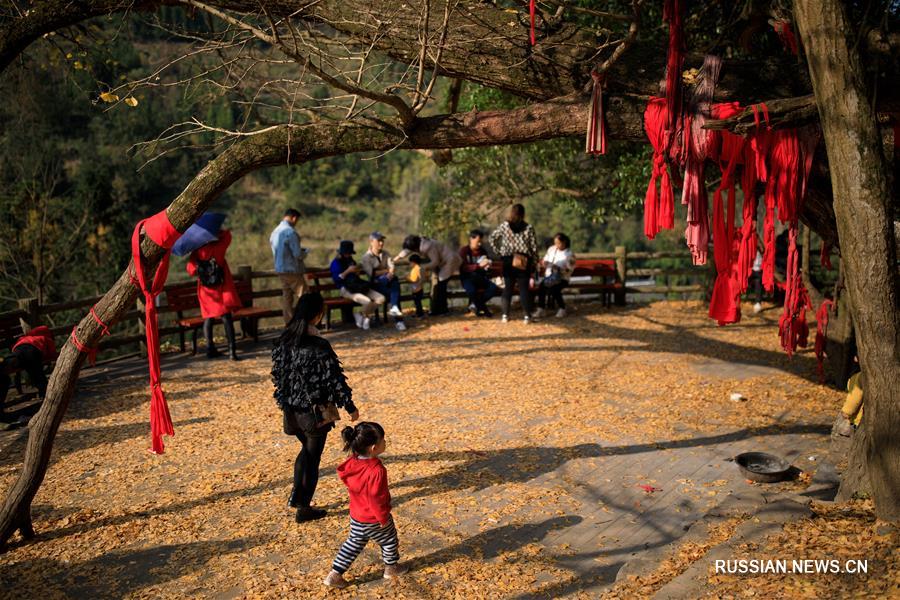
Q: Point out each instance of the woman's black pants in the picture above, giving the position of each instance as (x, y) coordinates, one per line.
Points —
(229, 332)
(555, 292)
(512, 277)
(439, 298)
(306, 466)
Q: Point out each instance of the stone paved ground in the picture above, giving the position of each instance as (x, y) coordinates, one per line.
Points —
(517, 456)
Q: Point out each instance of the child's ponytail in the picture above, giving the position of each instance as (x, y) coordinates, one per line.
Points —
(347, 434)
(362, 437)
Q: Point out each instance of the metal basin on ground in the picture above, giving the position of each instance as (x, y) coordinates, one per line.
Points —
(762, 467)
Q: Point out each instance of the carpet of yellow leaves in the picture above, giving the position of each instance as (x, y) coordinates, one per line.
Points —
(473, 409)
(842, 532)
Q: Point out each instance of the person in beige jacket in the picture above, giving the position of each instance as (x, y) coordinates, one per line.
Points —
(443, 261)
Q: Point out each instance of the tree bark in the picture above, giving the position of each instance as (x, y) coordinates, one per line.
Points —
(865, 229)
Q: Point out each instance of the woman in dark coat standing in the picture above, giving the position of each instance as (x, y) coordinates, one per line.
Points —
(219, 300)
(309, 388)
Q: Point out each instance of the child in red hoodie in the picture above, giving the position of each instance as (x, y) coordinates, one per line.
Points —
(370, 503)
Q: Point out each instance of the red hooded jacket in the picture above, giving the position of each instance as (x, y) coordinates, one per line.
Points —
(41, 338)
(366, 480)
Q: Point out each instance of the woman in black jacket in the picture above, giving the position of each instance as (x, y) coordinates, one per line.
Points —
(309, 388)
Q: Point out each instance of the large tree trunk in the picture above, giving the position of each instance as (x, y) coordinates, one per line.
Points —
(865, 229)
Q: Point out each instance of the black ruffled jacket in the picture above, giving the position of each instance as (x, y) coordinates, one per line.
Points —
(309, 374)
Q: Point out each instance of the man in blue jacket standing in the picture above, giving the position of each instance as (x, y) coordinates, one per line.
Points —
(289, 262)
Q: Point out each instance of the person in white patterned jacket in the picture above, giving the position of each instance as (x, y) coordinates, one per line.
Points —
(514, 241)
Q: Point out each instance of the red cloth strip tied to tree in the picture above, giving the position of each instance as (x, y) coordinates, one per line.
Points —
(159, 229)
(659, 205)
(821, 337)
(673, 14)
(784, 30)
(792, 326)
(698, 144)
(724, 305)
(596, 127)
(532, 9)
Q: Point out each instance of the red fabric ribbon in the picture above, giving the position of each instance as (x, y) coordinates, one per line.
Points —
(596, 127)
(91, 352)
(786, 33)
(532, 9)
(821, 337)
(659, 206)
(673, 14)
(725, 304)
(825, 256)
(792, 326)
(159, 229)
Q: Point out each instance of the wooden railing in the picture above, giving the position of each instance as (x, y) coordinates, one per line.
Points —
(128, 331)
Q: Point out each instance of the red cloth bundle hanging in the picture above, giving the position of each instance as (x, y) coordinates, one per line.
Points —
(596, 127)
(698, 144)
(784, 30)
(532, 9)
(659, 205)
(792, 326)
(160, 230)
(754, 170)
(673, 14)
(825, 256)
(725, 305)
(821, 336)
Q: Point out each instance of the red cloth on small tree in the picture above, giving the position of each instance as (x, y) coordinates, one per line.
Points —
(159, 229)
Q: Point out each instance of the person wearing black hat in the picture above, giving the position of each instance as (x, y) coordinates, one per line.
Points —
(345, 273)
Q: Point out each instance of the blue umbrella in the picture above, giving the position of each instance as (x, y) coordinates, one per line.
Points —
(204, 231)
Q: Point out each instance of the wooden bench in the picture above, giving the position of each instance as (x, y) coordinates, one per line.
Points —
(602, 269)
(182, 298)
(602, 272)
(321, 282)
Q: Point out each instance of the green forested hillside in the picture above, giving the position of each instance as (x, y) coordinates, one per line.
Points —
(74, 176)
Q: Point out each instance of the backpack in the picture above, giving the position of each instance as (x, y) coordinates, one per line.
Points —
(210, 273)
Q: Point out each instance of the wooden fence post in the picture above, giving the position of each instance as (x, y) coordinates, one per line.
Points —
(621, 272)
(245, 272)
(31, 319)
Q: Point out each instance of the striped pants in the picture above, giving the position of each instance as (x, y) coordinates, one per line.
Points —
(360, 534)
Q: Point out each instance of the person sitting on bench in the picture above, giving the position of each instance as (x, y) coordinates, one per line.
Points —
(475, 274)
(28, 354)
(345, 273)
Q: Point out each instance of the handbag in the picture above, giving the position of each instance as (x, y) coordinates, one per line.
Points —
(519, 261)
(326, 414)
(552, 279)
(210, 273)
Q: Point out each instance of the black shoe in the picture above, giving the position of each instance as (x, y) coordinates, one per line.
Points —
(308, 513)
(213, 352)
(294, 500)
(233, 355)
